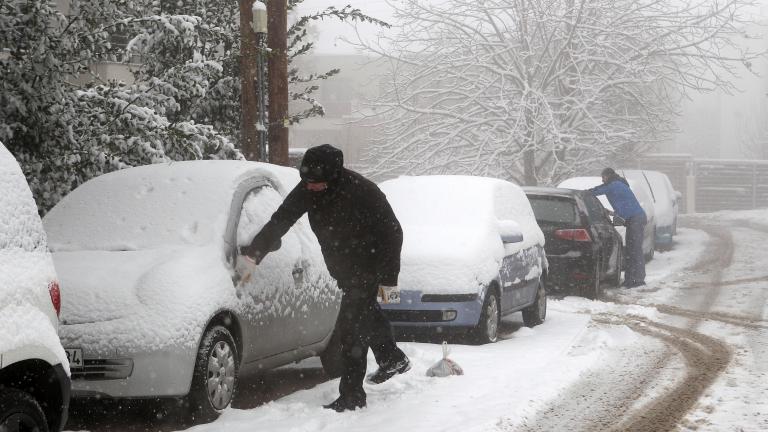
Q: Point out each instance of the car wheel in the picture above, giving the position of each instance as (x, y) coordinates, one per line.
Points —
(616, 278)
(214, 381)
(593, 290)
(652, 252)
(536, 313)
(331, 357)
(20, 412)
(487, 330)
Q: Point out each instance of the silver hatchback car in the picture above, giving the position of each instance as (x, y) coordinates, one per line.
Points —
(157, 302)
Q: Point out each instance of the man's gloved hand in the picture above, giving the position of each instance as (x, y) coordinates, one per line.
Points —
(254, 255)
(389, 294)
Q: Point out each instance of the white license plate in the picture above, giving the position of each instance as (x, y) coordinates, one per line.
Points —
(75, 357)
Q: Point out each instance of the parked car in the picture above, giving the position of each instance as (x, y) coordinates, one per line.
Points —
(646, 202)
(472, 254)
(583, 248)
(665, 203)
(34, 373)
(157, 301)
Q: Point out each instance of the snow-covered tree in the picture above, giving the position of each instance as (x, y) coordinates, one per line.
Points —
(189, 51)
(64, 129)
(535, 90)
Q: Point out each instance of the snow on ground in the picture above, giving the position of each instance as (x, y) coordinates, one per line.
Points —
(664, 274)
(737, 400)
(497, 385)
(504, 383)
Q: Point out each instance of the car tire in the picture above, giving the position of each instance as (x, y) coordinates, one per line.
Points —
(593, 290)
(214, 382)
(616, 278)
(331, 358)
(652, 252)
(487, 330)
(19, 411)
(536, 313)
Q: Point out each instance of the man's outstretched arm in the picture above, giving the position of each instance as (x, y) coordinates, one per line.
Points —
(292, 208)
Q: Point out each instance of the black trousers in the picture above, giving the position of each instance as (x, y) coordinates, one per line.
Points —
(361, 324)
(635, 272)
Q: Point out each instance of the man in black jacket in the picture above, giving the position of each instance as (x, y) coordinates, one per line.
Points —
(361, 239)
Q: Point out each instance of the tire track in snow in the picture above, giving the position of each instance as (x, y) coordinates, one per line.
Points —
(737, 320)
(705, 359)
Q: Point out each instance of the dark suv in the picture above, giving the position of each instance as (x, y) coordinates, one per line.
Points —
(583, 248)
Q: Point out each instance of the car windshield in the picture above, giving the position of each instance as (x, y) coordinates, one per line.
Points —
(554, 210)
(130, 211)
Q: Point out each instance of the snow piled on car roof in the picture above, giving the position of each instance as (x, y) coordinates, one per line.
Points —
(180, 203)
(26, 268)
(451, 225)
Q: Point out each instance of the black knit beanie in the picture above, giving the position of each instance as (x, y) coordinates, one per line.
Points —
(323, 163)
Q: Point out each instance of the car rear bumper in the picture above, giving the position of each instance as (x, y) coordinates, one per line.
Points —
(166, 373)
(461, 310)
(570, 272)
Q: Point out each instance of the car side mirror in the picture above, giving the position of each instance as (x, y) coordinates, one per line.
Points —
(678, 195)
(618, 221)
(510, 231)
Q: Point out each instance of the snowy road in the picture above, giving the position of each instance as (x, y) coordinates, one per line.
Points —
(689, 351)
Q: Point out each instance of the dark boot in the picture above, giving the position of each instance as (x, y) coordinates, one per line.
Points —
(387, 371)
(346, 403)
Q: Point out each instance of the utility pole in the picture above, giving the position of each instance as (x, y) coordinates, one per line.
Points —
(277, 42)
(248, 76)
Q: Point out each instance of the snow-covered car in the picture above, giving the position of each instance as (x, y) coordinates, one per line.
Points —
(472, 253)
(34, 372)
(665, 203)
(643, 197)
(158, 303)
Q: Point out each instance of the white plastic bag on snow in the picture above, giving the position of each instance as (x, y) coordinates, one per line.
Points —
(445, 367)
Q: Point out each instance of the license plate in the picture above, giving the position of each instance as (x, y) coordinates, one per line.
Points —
(389, 295)
(75, 357)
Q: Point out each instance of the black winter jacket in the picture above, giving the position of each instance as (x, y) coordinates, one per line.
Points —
(358, 232)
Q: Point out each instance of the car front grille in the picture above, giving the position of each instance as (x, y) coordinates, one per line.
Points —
(448, 298)
(414, 315)
(103, 369)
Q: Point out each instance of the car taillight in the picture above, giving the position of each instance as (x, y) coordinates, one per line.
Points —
(53, 289)
(580, 235)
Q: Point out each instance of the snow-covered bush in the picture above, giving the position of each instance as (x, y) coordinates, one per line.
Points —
(64, 132)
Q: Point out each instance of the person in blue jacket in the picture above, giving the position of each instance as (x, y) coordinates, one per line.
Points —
(626, 206)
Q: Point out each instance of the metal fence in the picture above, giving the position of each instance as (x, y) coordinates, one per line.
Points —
(710, 185)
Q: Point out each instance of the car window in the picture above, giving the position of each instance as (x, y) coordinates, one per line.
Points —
(595, 210)
(257, 209)
(554, 210)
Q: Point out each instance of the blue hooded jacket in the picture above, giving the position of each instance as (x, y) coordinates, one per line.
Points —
(621, 197)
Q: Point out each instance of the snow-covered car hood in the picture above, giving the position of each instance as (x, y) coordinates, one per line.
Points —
(140, 299)
(449, 260)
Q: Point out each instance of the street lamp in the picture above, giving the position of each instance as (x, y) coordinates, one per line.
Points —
(259, 26)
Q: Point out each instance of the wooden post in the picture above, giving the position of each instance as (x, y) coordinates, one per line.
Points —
(277, 42)
(249, 104)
